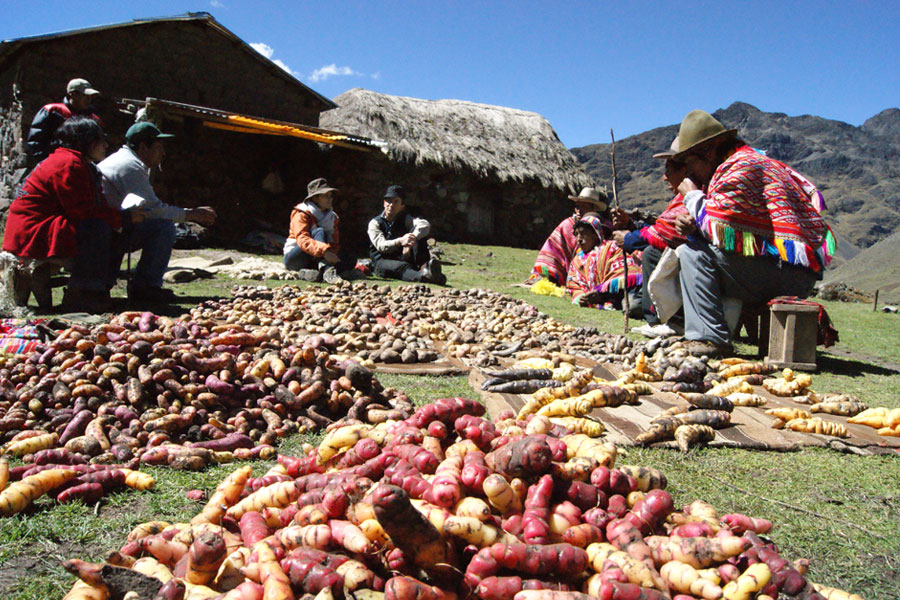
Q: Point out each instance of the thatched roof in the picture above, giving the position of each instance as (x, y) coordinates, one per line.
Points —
(489, 140)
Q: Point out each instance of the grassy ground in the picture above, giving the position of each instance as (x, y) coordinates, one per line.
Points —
(841, 511)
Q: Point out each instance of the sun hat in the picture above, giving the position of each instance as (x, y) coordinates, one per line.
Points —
(81, 85)
(317, 187)
(672, 151)
(145, 132)
(395, 191)
(593, 196)
(698, 127)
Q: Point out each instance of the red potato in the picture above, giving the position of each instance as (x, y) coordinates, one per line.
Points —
(560, 560)
(474, 471)
(695, 529)
(253, 528)
(582, 535)
(502, 588)
(535, 519)
(408, 588)
(739, 523)
(446, 410)
(445, 487)
(651, 511)
(204, 557)
(310, 576)
(523, 458)
(349, 536)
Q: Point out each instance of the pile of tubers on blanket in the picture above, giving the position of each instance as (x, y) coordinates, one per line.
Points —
(143, 389)
(446, 504)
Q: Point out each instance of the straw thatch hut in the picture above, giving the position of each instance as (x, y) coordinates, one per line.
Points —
(479, 173)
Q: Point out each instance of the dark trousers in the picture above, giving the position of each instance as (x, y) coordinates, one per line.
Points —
(154, 238)
(406, 268)
(92, 267)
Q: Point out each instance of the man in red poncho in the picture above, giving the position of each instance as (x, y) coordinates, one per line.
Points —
(753, 230)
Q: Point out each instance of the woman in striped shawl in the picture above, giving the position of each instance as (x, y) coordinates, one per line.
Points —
(753, 231)
(597, 273)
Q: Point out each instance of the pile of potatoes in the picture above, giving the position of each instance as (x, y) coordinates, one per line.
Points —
(446, 504)
(185, 393)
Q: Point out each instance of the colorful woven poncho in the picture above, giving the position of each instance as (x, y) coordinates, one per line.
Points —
(556, 253)
(755, 206)
(602, 270)
(662, 233)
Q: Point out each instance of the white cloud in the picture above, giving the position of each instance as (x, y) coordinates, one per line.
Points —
(216, 4)
(376, 75)
(267, 51)
(264, 49)
(329, 71)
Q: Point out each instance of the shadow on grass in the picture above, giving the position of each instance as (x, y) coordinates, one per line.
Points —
(850, 367)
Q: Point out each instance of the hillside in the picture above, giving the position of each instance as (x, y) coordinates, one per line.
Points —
(875, 268)
(856, 168)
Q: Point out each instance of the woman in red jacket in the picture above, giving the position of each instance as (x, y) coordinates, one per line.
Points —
(60, 213)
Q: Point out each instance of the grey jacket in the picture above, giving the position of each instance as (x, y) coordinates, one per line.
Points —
(124, 173)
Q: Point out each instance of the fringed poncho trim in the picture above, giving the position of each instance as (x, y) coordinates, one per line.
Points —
(756, 207)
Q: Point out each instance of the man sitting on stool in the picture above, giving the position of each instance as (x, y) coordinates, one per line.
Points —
(397, 243)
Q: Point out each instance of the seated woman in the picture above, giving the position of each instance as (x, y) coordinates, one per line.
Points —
(60, 214)
(313, 243)
(557, 252)
(597, 273)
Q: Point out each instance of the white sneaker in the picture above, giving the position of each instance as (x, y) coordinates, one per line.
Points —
(652, 331)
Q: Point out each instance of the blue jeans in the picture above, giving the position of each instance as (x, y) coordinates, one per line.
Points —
(154, 238)
(708, 275)
(296, 259)
(92, 267)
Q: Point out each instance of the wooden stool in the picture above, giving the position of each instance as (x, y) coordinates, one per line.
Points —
(791, 335)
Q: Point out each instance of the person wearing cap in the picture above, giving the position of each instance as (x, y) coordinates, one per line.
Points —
(753, 231)
(60, 217)
(126, 185)
(653, 239)
(597, 271)
(313, 241)
(556, 254)
(398, 242)
(78, 101)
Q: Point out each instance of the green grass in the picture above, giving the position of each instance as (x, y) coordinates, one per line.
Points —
(841, 511)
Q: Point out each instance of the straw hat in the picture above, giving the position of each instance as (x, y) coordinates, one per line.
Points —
(592, 196)
(698, 127)
(672, 151)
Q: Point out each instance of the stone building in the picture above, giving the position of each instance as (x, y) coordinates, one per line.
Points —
(479, 173)
(252, 180)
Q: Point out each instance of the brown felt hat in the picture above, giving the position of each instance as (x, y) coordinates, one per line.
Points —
(698, 127)
(672, 151)
(593, 196)
(317, 187)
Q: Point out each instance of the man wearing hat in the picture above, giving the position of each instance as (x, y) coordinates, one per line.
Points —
(313, 241)
(78, 101)
(126, 185)
(397, 242)
(753, 232)
(555, 256)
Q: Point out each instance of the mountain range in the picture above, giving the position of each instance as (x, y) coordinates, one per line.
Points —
(857, 169)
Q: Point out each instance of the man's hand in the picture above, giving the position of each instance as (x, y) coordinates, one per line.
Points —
(588, 298)
(686, 186)
(620, 218)
(137, 214)
(619, 237)
(409, 240)
(330, 257)
(202, 215)
(685, 225)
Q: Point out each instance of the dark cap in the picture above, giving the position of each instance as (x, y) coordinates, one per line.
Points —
(317, 187)
(395, 191)
(144, 131)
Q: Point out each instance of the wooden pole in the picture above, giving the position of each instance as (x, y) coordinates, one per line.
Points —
(875, 304)
(625, 303)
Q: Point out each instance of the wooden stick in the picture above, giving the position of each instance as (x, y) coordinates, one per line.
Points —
(625, 303)
(875, 304)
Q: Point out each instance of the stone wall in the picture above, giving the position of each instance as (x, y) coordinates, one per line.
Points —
(11, 154)
(461, 206)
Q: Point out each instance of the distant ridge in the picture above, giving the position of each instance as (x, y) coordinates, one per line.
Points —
(856, 168)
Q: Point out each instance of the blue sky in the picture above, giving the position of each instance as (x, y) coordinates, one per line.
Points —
(585, 66)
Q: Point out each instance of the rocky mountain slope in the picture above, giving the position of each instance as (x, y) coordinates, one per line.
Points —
(856, 168)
